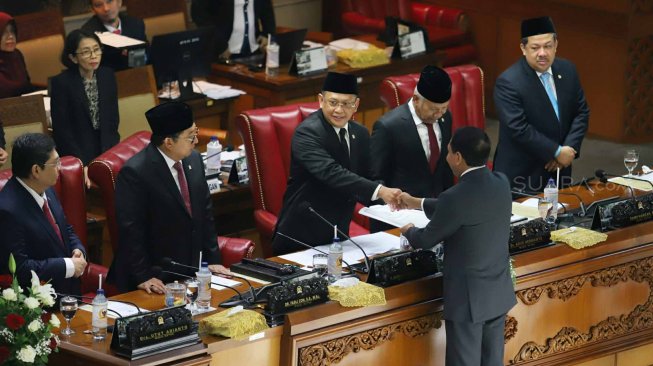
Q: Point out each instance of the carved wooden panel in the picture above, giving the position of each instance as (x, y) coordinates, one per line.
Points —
(333, 351)
(510, 329)
(569, 338)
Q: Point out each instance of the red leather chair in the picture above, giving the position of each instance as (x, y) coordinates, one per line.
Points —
(70, 192)
(267, 134)
(446, 27)
(104, 170)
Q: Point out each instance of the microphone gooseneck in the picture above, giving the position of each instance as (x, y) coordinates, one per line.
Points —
(603, 177)
(310, 247)
(367, 260)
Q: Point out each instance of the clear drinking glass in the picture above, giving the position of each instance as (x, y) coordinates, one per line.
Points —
(320, 264)
(543, 207)
(192, 291)
(631, 158)
(68, 307)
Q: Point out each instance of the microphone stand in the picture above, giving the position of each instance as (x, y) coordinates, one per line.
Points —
(317, 250)
(367, 260)
(240, 295)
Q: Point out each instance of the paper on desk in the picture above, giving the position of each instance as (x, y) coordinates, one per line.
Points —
(121, 308)
(222, 281)
(118, 40)
(526, 210)
(348, 43)
(396, 218)
(373, 244)
(215, 91)
(635, 184)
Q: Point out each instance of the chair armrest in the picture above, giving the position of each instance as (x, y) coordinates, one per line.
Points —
(233, 250)
(361, 220)
(357, 23)
(438, 16)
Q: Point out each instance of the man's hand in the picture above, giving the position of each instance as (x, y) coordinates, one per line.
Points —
(219, 269)
(80, 265)
(406, 227)
(410, 202)
(3, 156)
(567, 155)
(390, 196)
(87, 181)
(153, 285)
(225, 55)
(552, 165)
(262, 42)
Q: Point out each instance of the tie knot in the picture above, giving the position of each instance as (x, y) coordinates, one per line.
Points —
(343, 133)
(177, 166)
(545, 76)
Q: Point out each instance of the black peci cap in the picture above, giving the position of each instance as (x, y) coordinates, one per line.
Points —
(169, 118)
(434, 84)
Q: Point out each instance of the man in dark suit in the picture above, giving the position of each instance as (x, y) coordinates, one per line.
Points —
(32, 222)
(329, 162)
(473, 220)
(107, 18)
(238, 33)
(407, 142)
(542, 112)
(163, 205)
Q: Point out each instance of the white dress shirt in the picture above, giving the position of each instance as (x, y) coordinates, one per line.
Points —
(422, 131)
(551, 82)
(238, 29)
(170, 164)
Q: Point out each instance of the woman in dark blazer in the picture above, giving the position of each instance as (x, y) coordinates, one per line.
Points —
(84, 101)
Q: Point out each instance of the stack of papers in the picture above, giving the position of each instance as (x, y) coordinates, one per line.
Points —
(349, 44)
(123, 309)
(117, 40)
(395, 218)
(215, 91)
(635, 183)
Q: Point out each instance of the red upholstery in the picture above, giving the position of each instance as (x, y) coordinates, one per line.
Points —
(446, 27)
(104, 170)
(70, 192)
(267, 134)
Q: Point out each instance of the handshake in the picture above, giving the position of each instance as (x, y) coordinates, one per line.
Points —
(398, 200)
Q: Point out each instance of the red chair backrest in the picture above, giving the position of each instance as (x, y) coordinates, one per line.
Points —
(70, 192)
(267, 134)
(467, 105)
(379, 9)
(104, 170)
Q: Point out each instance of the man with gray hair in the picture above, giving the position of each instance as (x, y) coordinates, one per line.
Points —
(407, 143)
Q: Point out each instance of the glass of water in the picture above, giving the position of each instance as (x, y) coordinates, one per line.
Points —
(68, 307)
(320, 264)
(544, 207)
(631, 158)
(192, 291)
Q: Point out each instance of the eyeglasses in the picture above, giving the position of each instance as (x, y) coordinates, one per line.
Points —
(192, 138)
(87, 53)
(345, 105)
(56, 163)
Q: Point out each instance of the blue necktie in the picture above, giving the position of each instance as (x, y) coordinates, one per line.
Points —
(549, 91)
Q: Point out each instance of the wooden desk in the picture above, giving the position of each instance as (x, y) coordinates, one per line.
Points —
(573, 306)
(287, 89)
(233, 209)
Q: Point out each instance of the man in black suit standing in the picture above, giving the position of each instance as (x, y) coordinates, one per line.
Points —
(163, 205)
(542, 111)
(241, 26)
(328, 169)
(32, 223)
(407, 142)
(473, 220)
(107, 18)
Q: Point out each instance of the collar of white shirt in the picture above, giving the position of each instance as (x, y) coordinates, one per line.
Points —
(37, 197)
(471, 169)
(111, 29)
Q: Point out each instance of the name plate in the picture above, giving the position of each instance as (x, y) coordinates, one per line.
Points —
(309, 62)
(529, 235)
(214, 185)
(623, 213)
(159, 331)
(401, 267)
(410, 45)
(296, 295)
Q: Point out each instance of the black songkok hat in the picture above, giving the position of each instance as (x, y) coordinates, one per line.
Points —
(340, 83)
(535, 26)
(434, 84)
(169, 118)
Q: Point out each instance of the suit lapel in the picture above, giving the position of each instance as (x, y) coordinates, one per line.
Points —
(536, 84)
(165, 175)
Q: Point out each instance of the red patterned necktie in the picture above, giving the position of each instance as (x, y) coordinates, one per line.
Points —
(50, 218)
(117, 31)
(433, 146)
(183, 186)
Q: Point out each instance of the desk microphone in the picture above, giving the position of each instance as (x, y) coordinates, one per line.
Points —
(602, 175)
(159, 270)
(583, 211)
(169, 262)
(310, 247)
(367, 260)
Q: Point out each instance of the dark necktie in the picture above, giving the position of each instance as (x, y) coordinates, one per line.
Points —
(433, 146)
(344, 146)
(246, 50)
(183, 186)
(50, 218)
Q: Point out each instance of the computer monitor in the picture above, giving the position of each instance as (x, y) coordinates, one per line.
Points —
(181, 56)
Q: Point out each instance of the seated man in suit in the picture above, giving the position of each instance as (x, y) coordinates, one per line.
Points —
(328, 169)
(407, 142)
(32, 223)
(107, 18)
(473, 220)
(163, 205)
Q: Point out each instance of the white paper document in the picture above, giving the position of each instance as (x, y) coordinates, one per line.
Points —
(123, 309)
(218, 280)
(349, 44)
(117, 40)
(395, 218)
(635, 183)
(215, 91)
(373, 244)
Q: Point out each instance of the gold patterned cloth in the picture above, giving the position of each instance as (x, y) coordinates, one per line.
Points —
(578, 237)
(240, 324)
(359, 294)
(372, 56)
